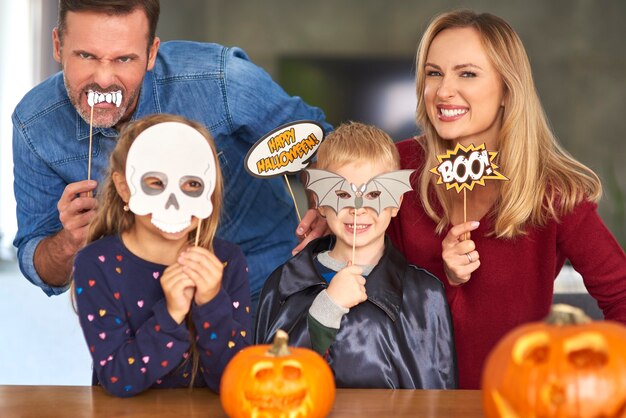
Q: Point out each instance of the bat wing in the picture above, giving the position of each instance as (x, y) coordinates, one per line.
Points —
(324, 184)
(391, 186)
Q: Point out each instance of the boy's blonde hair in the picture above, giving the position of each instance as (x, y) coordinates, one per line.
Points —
(354, 141)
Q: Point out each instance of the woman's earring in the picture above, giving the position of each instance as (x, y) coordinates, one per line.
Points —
(126, 208)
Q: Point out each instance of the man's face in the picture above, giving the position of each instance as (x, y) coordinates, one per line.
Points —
(108, 56)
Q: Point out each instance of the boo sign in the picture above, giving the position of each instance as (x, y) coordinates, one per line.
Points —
(287, 149)
(463, 167)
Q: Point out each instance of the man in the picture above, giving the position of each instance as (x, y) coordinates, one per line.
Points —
(111, 58)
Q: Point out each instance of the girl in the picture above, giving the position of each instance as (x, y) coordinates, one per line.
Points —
(156, 309)
(474, 85)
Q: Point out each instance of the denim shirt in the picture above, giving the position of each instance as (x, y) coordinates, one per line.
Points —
(236, 100)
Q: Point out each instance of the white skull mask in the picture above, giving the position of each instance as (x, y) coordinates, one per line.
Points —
(171, 173)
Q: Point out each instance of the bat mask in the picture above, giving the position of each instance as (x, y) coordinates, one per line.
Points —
(378, 193)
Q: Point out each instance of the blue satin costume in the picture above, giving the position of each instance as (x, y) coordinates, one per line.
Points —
(401, 337)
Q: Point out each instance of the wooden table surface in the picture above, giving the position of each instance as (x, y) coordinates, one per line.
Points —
(87, 401)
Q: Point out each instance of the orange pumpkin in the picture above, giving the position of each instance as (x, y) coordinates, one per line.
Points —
(277, 381)
(567, 366)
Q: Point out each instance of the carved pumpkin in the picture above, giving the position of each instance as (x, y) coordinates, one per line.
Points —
(277, 381)
(567, 366)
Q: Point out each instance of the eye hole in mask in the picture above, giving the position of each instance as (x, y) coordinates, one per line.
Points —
(153, 183)
(191, 185)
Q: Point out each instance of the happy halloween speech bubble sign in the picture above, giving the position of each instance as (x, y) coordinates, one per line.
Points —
(465, 167)
(287, 149)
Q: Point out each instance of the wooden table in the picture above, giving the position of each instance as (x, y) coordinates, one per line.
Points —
(87, 401)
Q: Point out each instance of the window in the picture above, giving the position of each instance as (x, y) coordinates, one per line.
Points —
(26, 57)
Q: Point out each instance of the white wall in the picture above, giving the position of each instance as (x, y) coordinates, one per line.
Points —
(16, 77)
(41, 342)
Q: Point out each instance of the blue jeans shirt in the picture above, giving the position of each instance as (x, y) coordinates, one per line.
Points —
(236, 100)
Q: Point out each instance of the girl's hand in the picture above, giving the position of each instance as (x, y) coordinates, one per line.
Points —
(178, 289)
(205, 270)
(347, 288)
(460, 258)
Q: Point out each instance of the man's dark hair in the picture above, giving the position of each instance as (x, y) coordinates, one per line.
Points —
(151, 8)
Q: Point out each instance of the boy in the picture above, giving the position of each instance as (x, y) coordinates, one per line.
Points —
(380, 323)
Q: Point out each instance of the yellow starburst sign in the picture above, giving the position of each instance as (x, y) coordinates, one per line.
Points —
(465, 167)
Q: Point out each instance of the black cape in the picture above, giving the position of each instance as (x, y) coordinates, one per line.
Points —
(400, 337)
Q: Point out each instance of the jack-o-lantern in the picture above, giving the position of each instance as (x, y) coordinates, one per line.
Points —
(277, 381)
(566, 366)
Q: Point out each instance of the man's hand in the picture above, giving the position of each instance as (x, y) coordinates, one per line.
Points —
(76, 210)
(312, 226)
(54, 254)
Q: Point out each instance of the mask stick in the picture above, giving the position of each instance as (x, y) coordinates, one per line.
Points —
(354, 236)
(90, 145)
(293, 198)
(198, 232)
(464, 211)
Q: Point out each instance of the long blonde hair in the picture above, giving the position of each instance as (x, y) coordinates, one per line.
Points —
(545, 180)
(111, 218)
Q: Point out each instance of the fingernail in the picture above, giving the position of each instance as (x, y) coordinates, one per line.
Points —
(475, 224)
(300, 231)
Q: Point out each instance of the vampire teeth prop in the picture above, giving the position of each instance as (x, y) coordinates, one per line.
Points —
(115, 97)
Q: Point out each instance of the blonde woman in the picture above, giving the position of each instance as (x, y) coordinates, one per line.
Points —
(474, 85)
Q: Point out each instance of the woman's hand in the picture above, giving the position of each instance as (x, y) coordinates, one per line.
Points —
(460, 258)
(178, 289)
(347, 287)
(312, 226)
(205, 270)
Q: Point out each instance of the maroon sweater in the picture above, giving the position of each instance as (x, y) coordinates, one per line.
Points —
(514, 283)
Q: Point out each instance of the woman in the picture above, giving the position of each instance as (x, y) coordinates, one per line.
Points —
(475, 86)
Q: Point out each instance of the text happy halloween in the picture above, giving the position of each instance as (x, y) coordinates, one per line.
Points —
(287, 149)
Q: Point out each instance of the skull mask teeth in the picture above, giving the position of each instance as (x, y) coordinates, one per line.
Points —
(163, 161)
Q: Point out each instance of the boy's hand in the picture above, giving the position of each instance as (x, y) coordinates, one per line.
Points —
(347, 288)
(178, 289)
(205, 269)
(460, 258)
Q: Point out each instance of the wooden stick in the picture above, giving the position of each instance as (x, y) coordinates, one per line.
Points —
(464, 211)
(198, 232)
(293, 198)
(90, 146)
(354, 236)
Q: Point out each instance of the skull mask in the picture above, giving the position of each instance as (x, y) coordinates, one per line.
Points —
(172, 156)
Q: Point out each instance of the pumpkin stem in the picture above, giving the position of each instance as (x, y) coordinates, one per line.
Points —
(562, 314)
(279, 347)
